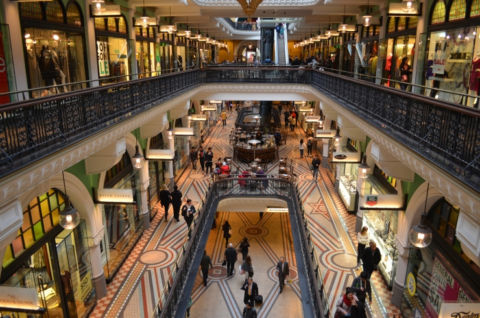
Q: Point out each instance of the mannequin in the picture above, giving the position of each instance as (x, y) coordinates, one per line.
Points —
(475, 78)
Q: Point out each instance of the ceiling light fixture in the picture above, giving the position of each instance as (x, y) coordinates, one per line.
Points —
(170, 27)
(421, 234)
(367, 18)
(69, 216)
(249, 6)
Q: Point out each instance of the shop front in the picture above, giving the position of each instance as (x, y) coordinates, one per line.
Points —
(368, 51)
(156, 169)
(452, 53)
(181, 52)
(50, 261)
(380, 200)
(400, 51)
(5, 71)
(112, 49)
(345, 161)
(182, 147)
(442, 272)
(54, 46)
(166, 52)
(349, 51)
(146, 49)
(118, 192)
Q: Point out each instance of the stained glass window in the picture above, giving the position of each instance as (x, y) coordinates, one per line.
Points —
(412, 22)
(391, 24)
(439, 12)
(73, 15)
(31, 10)
(112, 25)
(122, 26)
(475, 8)
(458, 10)
(54, 12)
(39, 217)
(100, 24)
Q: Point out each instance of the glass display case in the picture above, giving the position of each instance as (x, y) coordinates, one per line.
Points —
(347, 185)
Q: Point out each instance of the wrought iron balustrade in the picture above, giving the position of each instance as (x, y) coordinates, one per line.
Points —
(32, 129)
(312, 298)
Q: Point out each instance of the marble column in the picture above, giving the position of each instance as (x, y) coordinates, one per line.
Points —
(170, 178)
(382, 47)
(98, 276)
(144, 182)
(90, 40)
(131, 45)
(420, 44)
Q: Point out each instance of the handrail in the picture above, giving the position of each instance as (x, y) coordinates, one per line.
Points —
(312, 301)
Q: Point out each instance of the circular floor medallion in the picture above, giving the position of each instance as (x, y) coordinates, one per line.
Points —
(217, 272)
(343, 261)
(161, 257)
(253, 231)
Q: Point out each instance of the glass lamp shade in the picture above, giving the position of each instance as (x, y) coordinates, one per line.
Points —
(137, 159)
(69, 218)
(420, 236)
(367, 19)
(168, 28)
(337, 136)
(363, 168)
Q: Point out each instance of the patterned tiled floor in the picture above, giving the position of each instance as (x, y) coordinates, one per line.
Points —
(332, 228)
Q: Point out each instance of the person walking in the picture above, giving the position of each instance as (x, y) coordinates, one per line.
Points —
(301, 147)
(205, 265)
(231, 258)
(362, 238)
(223, 115)
(247, 267)
(201, 158)
(226, 228)
(315, 166)
(249, 311)
(244, 245)
(291, 120)
(176, 196)
(345, 304)
(165, 200)
(371, 257)
(361, 287)
(188, 210)
(309, 146)
(251, 292)
(283, 271)
(193, 158)
(209, 160)
(286, 115)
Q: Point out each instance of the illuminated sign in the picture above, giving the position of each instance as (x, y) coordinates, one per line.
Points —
(105, 10)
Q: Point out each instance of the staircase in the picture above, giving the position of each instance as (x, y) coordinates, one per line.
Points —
(281, 51)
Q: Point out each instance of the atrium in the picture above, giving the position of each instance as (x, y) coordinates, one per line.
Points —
(239, 158)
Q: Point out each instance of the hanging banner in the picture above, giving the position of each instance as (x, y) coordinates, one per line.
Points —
(4, 99)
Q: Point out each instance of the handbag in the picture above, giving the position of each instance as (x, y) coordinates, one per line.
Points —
(224, 262)
(240, 270)
(258, 299)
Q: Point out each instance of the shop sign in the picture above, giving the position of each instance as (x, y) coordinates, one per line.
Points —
(460, 310)
(19, 298)
(443, 288)
(411, 284)
(4, 99)
(371, 200)
(440, 57)
(102, 56)
(105, 10)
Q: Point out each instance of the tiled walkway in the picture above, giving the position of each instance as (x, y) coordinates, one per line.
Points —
(331, 226)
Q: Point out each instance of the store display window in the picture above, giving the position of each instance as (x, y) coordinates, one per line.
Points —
(181, 148)
(347, 186)
(475, 8)
(439, 12)
(57, 266)
(55, 49)
(5, 66)
(122, 221)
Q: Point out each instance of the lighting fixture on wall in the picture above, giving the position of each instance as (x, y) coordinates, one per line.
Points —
(421, 234)
(137, 157)
(363, 168)
(69, 217)
(98, 3)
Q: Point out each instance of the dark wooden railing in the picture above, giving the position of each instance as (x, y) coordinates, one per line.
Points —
(446, 134)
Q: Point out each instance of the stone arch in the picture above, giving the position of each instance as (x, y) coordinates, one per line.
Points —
(78, 195)
(243, 44)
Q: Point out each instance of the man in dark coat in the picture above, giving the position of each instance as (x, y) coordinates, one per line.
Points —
(193, 158)
(208, 160)
(188, 210)
(362, 288)
(315, 166)
(231, 258)
(205, 265)
(283, 271)
(176, 196)
(165, 200)
(251, 291)
(371, 257)
(249, 311)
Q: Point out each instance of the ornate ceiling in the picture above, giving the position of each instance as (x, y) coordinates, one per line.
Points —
(265, 3)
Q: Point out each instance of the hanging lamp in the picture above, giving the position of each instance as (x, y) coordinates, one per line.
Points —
(170, 27)
(367, 18)
(344, 27)
(137, 157)
(363, 168)
(69, 217)
(421, 234)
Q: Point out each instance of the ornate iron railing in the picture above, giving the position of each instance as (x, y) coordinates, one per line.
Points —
(33, 129)
(312, 298)
(444, 133)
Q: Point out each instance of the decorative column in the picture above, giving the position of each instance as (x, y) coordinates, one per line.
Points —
(420, 44)
(131, 40)
(357, 58)
(403, 249)
(326, 143)
(382, 45)
(92, 58)
(174, 53)
(98, 276)
(171, 145)
(144, 182)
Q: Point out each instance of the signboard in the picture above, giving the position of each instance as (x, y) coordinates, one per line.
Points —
(411, 284)
(371, 200)
(102, 57)
(440, 57)
(19, 298)
(320, 133)
(459, 310)
(105, 10)
(4, 99)
(443, 288)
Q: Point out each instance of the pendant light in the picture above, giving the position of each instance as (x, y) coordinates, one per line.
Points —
(69, 217)
(344, 27)
(367, 18)
(170, 27)
(421, 234)
(137, 157)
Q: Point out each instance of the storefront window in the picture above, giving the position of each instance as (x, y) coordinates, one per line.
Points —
(439, 12)
(458, 10)
(4, 68)
(449, 59)
(475, 8)
(412, 23)
(54, 53)
(122, 221)
(59, 269)
(391, 25)
(402, 24)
